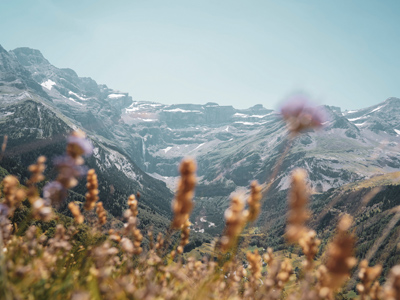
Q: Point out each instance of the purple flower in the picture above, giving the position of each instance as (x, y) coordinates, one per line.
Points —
(68, 171)
(3, 209)
(301, 114)
(68, 167)
(84, 144)
(54, 192)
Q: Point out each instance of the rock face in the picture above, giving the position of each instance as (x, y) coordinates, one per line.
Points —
(232, 146)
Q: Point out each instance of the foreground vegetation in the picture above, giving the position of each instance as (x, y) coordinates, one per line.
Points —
(46, 255)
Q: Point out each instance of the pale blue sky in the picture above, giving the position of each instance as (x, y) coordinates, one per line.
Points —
(240, 53)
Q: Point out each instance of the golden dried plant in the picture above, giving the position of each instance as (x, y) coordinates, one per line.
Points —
(92, 190)
(76, 212)
(13, 195)
(298, 213)
(101, 213)
(133, 205)
(340, 255)
(254, 201)
(184, 237)
(254, 260)
(309, 244)
(235, 218)
(367, 276)
(182, 205)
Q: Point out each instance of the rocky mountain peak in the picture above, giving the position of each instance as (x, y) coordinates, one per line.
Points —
(2, 50)
(27, 56)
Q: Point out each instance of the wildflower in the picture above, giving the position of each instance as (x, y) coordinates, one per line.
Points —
(41, 210)
(92, 187)
(54, 192)
(301, 115)
(254, 201)
(182, 204)
(114, 236)
(4, 209)
(255, 263)
(392, 287)
(235, 218)
(60, 241)
(268, 257)
(160, 241)
(127, 245)
(68, 171)
(375, 291)
(3, 146)
(37, 170)
(76, 212)
(367, 276)
(101, 213)
(133, 204)
(309, 244)
(340, 255)
(5, 224)
(298, 213)
(12, 194)
(78, 145)
(184, 237)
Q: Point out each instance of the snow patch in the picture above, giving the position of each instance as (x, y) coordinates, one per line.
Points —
(73, 100)
(115, 96)
(397, 131)
(359, 124)
(247, 123)
(166, 149)
(182, 110)
(354, 119)
(8, 113)
(197, 147)
(260, 116)
(378, 108)
(48, 84)
(131, 109)
(77, 96)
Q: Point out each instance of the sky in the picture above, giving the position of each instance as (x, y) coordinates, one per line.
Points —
(242, 53)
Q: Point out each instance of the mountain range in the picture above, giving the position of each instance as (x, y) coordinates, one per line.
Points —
(138, 145)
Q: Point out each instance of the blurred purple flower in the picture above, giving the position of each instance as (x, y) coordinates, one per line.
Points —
(68, 171)
(82, 142)
(300, 114)
(54, 192)
(3, 209)
(68, 167)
